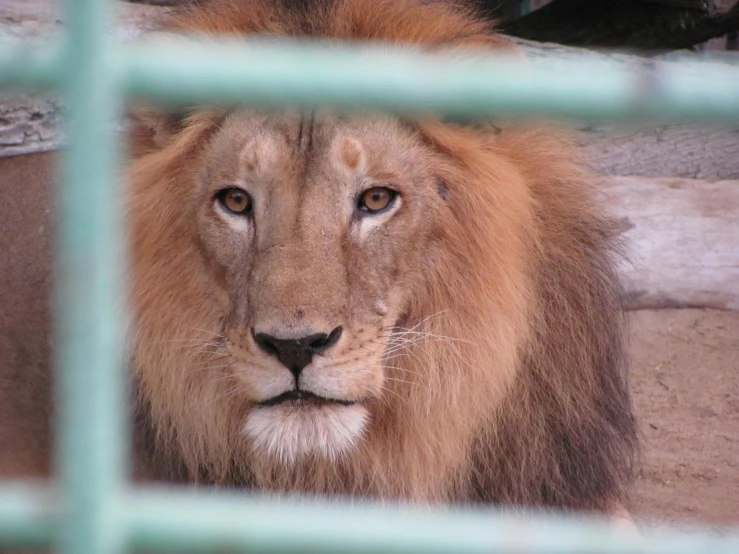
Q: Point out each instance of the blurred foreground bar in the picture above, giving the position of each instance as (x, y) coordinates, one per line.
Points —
(272, 73)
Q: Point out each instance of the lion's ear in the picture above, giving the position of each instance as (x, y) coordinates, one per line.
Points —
(153, 128)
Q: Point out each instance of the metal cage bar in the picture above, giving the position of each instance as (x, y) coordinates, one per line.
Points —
(354, 76)
(170, 519)
(92, 510)
(89, 293)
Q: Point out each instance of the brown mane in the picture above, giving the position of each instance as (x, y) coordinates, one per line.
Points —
(527, 279)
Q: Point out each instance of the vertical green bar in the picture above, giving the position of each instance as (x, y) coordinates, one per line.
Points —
(89, 306)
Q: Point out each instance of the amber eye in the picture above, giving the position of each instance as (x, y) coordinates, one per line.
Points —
(376, 199)
(235, 200)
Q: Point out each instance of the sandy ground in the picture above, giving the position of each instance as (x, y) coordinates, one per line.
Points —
(685, 380)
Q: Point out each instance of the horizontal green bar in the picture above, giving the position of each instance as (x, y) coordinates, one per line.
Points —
(188, 522)
(29, 66)
(313, 73)
(373, 77)
(28, 514)
(216, 521)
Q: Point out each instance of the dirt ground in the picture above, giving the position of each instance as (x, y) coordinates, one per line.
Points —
(685, 380)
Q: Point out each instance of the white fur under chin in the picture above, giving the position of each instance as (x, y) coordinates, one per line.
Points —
(291, 433)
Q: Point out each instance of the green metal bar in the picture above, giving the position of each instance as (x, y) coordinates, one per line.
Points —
(264, 72)
(270, 73)
(214, 521)
(189, 522)
(89, 307)
(28, 514)
(29, 65)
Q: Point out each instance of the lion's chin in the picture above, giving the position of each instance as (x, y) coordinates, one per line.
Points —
(293, 432)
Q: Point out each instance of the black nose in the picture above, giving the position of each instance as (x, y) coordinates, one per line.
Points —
(295, 354)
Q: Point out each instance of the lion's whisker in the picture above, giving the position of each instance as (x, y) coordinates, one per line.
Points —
(434, 335)
(205, 368)
(232, 391)
(215, 367)
(199, 347)
(180, 340)
(206, 331)
(424, 320)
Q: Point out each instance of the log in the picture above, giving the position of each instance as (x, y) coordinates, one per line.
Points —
(689, 151)
(32, 123)
(681, 240)
(29, 123)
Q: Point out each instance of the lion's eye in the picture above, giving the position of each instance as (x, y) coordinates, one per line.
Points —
(235, 200)
(376, 199)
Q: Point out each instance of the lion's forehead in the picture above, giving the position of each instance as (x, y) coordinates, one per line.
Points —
(317, 149)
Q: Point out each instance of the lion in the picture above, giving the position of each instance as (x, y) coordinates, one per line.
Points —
(367, 305)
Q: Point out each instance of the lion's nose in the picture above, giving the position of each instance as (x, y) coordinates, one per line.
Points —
(295, 354)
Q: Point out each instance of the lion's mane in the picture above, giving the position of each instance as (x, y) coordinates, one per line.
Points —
(527, 280)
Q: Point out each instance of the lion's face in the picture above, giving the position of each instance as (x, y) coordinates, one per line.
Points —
(366, 306)
(326, 293)
(314, 229)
